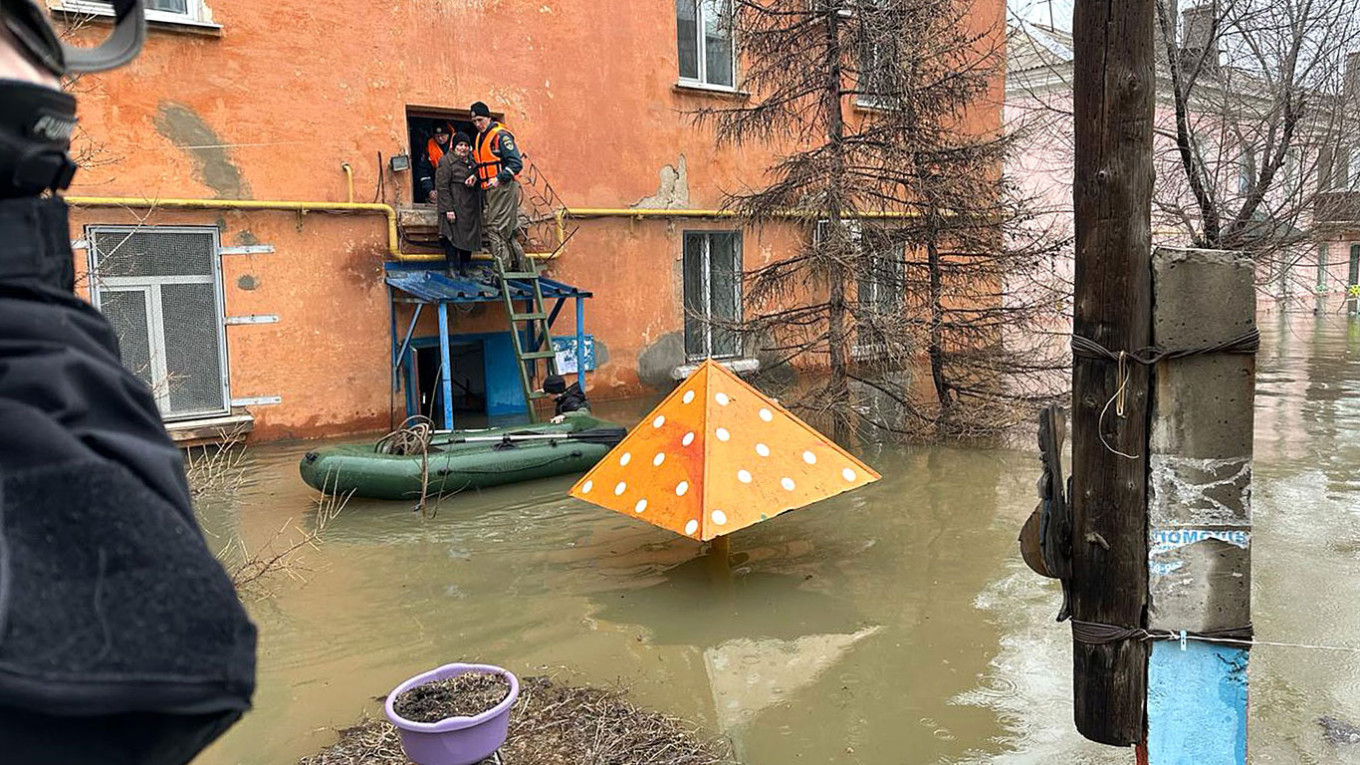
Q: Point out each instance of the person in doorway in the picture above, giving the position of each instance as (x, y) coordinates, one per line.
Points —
(498, 166)
(435, 149)
(567, 400)
(459, 205)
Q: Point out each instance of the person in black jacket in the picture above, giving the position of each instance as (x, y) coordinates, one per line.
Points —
(122, 640)
(567, 399)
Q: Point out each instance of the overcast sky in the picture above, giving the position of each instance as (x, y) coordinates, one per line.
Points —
(1038, 12)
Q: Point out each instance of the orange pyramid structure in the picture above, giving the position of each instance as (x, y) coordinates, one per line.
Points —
(716, 456)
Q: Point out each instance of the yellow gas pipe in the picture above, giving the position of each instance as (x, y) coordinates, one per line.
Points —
(646, 212)
(393, 239)
(358, 208)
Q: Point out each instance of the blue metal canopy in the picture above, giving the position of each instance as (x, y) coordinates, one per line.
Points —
(430, 285)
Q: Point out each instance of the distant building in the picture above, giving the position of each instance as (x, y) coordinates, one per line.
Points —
(1318, 262)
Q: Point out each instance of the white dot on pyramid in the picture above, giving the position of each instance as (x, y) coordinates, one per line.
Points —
(787, 483)
(691, 527)
(640, 506)
(688, 439)
(688, 397)
(625, 458)
(659, 421)
(620, 489)
(587, 486)
(762, 450)
(722, 399)
(743, 476)
(722, 434)
(810, 458)
(766, 415)
(681, 488)
(719, 517)
(659, 458)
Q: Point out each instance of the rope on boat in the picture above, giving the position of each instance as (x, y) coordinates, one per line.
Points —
(412, 437)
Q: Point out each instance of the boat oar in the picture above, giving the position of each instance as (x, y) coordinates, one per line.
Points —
(605, 436)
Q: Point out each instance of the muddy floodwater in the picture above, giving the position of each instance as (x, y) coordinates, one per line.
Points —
(896, 624)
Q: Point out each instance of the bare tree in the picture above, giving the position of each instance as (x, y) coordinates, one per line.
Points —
(1255, 86)
(912, 233)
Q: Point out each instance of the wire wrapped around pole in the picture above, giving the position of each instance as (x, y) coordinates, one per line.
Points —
(1245, 343)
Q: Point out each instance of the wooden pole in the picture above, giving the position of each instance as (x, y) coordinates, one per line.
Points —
(1113, 90)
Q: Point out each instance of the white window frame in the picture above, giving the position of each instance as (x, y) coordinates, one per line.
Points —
(197, 13)
(150, 286)
(701, 52)
(707, 287)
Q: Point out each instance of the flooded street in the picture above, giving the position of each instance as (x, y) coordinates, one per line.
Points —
(896, 624)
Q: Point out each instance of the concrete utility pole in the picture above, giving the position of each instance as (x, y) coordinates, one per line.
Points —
(1113, 90)
(1199, 492)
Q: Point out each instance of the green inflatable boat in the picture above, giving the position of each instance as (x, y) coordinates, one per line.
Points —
(463, 459)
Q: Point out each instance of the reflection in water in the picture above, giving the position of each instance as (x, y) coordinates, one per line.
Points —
(749, 676)
(892, 625)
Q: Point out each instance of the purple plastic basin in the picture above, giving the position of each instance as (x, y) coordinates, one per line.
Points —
(454, 740)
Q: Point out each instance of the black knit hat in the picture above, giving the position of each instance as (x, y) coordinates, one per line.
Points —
(554, 384)
(461, 137)
(441, 129)
(480, 109)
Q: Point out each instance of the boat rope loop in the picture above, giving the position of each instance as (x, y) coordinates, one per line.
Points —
(1246, 343)
(412, 437)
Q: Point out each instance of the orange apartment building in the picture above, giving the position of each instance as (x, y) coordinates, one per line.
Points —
(207, 212)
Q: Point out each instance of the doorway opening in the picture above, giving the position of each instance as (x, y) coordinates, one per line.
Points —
(467, 379)
(420, 126)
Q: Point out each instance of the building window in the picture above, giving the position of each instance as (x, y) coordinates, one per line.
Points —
(878, 54)
(195, 12)
(1334, 169)
(878, 282)
(160, 288)
(1246, 171)
(879, 291)
(703, 34)
(712, 294)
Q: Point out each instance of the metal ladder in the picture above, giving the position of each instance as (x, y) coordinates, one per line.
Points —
(535, 325)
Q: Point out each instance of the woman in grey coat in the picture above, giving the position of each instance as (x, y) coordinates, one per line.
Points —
(459, 205)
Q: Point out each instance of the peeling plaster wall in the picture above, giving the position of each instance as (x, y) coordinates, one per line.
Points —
(290, 90)
(672, 191)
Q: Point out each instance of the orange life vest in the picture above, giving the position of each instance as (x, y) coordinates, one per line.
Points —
(436, 152)
(488, 164)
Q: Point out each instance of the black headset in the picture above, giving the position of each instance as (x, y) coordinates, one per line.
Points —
(37, 120)
(29, 26)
